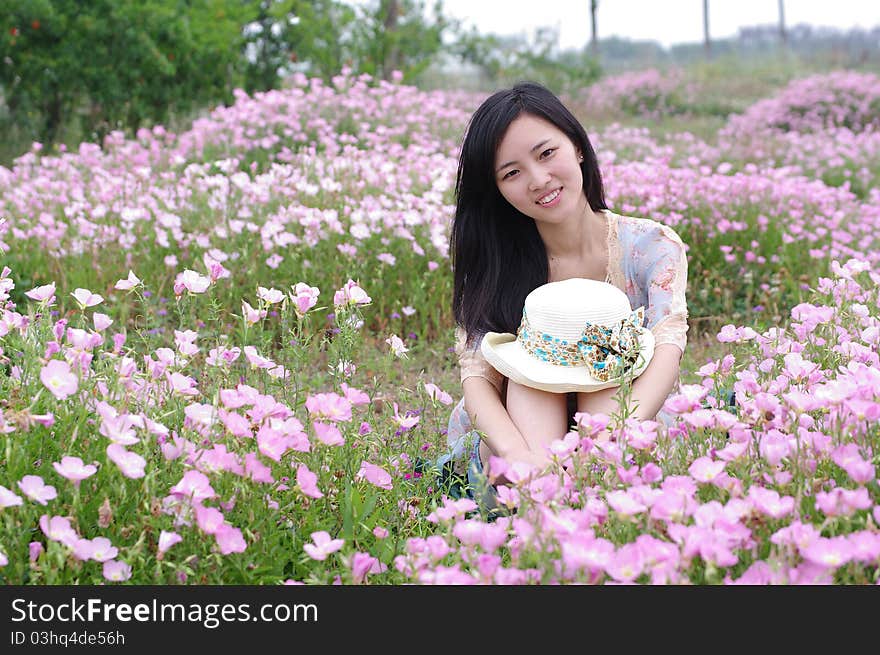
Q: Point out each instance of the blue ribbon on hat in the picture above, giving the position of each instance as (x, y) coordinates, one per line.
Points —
(608, 352)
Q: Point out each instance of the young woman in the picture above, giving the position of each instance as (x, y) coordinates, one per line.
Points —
(531, 210)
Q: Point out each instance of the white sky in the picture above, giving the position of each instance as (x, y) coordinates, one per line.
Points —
(666, 21)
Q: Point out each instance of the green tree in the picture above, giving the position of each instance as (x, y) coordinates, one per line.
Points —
(505, 60)
(399, 35)
(316, 36)
(116, 63)
(320, 37)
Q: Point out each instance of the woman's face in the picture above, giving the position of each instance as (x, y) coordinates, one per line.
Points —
(537, 170)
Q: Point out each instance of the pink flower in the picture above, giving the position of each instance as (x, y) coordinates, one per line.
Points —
(850, 460)
(328, 433)
(592, 424)
(271, 442)
(627, 563)
(323, 545)
(704, 469)
(57, 377)
(308, 482)
(329, 406)
(118, 428)
(436, 393)
(304, 297)
(397, 346)
(379, 532)
(101, 321)
(209, 519)
(129, 283)
(185, 340)
(256, 359)
(728, 333)
(102, 549)
(270, 296)
(688, 399)
(191, 281)
(364, 563)
(768, 501)
(625, 503)
(223, 356)
(181, 384)
(195, 486)
(58, 529)
(351, 294)
(9, 498)
(257, 471)
(405, 422)
(131, 464)
(86, 298)
(35, 549)
(230, 539)
(166, 541)
(73, 469)
(45, 293)
(34, 488)
(116, 571)
(354, 396)
(829, 553)
(583, 552)
(251, 315)
(82, 549)
(374, 475)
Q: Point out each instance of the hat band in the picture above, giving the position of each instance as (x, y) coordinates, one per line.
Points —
(608, 352)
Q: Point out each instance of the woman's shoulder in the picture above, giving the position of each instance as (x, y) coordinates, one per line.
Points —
(643, 230)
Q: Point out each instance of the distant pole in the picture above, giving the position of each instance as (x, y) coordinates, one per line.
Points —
(782, 33)
(706, 42)
(594, 39)
(391, 12)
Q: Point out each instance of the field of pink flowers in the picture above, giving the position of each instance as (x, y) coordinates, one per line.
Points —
(223, 353)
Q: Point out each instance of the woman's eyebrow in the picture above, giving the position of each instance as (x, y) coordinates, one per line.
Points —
(534, 147)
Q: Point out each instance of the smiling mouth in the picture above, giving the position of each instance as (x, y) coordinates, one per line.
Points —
(550, 197)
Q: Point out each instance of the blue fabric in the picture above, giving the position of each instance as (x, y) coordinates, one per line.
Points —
(478, 489)
(468, 483)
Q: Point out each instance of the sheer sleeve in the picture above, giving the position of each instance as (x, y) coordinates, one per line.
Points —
(666, 281)
(471, 360)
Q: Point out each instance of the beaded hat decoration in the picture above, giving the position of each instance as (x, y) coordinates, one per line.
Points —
(575, 335)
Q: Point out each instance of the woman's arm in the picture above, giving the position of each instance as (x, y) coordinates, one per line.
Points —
(649, 390)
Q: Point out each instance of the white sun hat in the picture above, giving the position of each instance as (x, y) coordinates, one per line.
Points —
(575, 335)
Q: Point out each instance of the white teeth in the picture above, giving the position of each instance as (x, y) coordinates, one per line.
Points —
(550, 197)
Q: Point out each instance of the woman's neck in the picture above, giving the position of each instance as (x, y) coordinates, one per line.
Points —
(582, 236)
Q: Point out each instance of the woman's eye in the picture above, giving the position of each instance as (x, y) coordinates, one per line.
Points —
(509, 174)
(547, 152)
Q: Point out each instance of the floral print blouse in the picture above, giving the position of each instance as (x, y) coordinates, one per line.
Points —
(646, 260)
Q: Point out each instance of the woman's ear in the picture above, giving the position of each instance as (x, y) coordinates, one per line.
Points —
(580, 156)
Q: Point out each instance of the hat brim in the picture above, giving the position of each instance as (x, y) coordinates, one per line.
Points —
(508, 357)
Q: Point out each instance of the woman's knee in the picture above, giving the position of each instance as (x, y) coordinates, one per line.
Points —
(595, 401)
(534, 411)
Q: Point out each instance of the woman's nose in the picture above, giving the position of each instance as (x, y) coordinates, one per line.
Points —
(539, 178)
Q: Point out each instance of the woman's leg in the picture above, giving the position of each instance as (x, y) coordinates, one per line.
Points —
(540, 416)
(596, 402)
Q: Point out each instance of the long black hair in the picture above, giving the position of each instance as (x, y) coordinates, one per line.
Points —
(497, 254)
